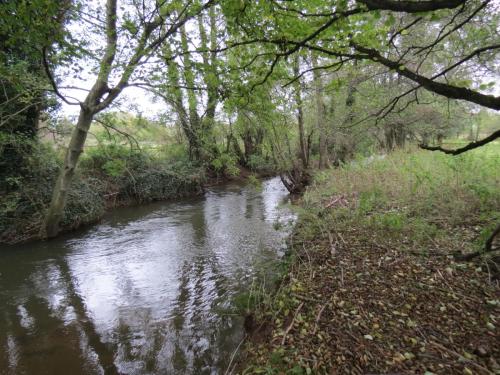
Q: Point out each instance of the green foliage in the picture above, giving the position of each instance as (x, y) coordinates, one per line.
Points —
(260, 110)
(226, 163)
(115, 168)
(130, 128)
(86, 202)
(246, 302)
(408, 195)
(108, 174)
(24, 160)
(392, 221)
(142, 175)
(261, 164)
(24, 33)
(23, 205)
(111, 159)
(370, 200)
(255, 182)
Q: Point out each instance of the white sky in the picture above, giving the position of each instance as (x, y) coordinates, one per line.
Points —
(132, 99)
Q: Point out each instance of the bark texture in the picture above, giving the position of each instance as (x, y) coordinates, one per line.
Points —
(303, 152)
(320, 115)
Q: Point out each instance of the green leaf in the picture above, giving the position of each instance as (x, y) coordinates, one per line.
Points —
(409, 355)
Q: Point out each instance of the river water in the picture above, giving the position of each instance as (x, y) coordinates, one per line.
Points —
(149, 290)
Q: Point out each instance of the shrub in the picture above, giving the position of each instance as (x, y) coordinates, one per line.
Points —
(105, 171)
(414, 198)
(262, 165)
(86, 203)
(226, 163)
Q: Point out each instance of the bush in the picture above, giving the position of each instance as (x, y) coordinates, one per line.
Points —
(86, 203)
(157, 184)
(261, 165)
(107, 175)
(414, 198)
(27, 190)
(226, 163)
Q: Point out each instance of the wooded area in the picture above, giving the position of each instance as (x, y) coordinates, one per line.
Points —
(301, 89)
(235, 76)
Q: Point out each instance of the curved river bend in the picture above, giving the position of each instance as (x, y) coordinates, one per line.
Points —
(147, 291)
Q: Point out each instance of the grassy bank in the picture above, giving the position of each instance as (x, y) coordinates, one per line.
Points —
(108, 175)
(372, 285)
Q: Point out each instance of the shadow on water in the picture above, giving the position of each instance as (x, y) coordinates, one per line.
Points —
(147, 291)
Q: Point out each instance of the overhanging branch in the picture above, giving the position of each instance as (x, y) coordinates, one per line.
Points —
(411, 6)
(52, 80)
(466, 148)
(447, 90)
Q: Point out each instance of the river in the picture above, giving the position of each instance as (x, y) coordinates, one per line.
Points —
(148, 290)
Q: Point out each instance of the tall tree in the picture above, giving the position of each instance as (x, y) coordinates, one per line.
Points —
(303, 144)
(196, 83)
(25, 31)
(320, 114)
(150, 32)
(361, 30)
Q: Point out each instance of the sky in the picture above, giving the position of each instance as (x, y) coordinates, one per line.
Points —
(132, 99)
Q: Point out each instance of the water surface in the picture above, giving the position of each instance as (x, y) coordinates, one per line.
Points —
(149, 290)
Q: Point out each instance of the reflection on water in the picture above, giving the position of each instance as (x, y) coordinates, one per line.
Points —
(148, 291)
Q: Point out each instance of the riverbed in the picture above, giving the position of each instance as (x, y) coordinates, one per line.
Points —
(148, 290)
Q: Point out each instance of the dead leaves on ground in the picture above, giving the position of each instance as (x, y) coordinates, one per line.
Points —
(371, 307)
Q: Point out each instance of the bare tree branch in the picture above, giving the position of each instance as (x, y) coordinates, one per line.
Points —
(52, 81)
(411, 6)
(447, 90)
(129, 137)
(466, 148)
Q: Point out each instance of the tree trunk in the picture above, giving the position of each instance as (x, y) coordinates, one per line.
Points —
(389, 137)
(400, 135)
(176, 98)
(439, 138)
(210, 78)
(320, 115)
(92, 105)
(59, 195)
(210, 64)
(249, 144)
(303, 153)
(344, 145)
(237, 150)
(194, 118)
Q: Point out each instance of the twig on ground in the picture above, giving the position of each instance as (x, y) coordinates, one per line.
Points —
(461, 357)
(291, 323)
(317, 319)
(233, 355)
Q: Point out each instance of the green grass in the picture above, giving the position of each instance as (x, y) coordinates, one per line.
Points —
(413, 193)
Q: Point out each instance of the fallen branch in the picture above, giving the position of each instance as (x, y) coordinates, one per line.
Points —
(488, 246)
(317, 319)
(291, 324)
